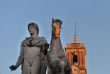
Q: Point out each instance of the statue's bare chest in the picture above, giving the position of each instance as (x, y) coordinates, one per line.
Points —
(31, 52)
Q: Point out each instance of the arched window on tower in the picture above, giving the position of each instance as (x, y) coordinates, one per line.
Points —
(75, 59)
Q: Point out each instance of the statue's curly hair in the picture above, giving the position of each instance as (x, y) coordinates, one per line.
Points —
(35, 25)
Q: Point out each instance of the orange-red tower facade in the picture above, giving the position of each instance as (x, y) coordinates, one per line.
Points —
(76, 54)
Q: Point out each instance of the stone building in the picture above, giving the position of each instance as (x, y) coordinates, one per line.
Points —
(76, 54)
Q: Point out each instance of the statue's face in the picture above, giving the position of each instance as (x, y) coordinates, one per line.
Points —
(32, 30)
(56, 27)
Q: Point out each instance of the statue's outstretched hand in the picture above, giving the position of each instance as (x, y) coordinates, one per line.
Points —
(13, 67)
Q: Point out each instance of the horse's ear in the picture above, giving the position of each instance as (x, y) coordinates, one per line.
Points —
(53, 20)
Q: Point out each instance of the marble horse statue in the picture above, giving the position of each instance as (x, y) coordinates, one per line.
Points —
(56, 59)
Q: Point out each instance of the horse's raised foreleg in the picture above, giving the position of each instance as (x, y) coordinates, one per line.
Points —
(68, 69)
(62, 65)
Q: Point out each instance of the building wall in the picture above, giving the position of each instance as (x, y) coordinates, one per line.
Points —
(76, 54)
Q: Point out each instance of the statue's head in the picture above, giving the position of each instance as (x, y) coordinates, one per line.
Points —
(33, 28)
(56, 26)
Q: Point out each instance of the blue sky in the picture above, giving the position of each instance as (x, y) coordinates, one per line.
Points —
(93, 28)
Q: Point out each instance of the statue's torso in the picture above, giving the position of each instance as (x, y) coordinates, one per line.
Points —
(31, 53)
(32, 49)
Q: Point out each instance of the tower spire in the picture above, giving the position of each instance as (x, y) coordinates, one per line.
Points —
(75, 35)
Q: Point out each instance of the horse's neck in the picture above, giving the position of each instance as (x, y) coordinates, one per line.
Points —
(56, 48)
(55, 43)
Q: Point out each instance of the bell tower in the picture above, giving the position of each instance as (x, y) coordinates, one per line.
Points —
(76, 54)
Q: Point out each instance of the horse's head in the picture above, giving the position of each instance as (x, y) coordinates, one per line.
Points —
(56, 26)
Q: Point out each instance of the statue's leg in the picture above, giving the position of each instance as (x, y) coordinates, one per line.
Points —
(35, 68)
(26, 68)
(43, 67)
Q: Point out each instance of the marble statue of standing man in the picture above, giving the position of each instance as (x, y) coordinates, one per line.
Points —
(33, 53)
